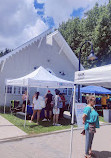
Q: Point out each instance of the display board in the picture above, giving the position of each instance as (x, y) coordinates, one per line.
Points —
(79, 108)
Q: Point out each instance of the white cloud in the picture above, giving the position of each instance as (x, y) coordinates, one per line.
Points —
(19, 22)
(61, 10)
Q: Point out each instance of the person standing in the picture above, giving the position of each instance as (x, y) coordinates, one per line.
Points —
(48, 107)
(91, 121)
(24, 98)
(63, 105)
(104, 101)
(56, 110)
(37, 107)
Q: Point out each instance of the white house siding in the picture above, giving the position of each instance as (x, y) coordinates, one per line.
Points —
(23, 62)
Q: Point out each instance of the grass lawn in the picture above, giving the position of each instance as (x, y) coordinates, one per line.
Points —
(32, 128)
(101, 119)
(44, 127)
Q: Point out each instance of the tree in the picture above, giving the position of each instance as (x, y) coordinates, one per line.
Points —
(2, 53)
(96, 27)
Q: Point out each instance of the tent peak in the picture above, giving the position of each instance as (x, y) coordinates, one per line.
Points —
(41, 78)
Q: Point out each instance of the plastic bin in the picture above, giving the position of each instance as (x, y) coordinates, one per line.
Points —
(107, 115)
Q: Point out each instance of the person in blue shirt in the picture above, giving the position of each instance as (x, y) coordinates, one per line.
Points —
(91, 122)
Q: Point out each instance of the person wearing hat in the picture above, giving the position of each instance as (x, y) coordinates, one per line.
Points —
(48, 108)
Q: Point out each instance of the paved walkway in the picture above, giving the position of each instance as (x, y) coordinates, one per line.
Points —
(57, 145)
(8, 130)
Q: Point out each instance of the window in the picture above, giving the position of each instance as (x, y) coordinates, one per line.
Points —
(69, 91)
(17, 90)
(65, 91)
(24, 89)
(50, 71)
(9, 89)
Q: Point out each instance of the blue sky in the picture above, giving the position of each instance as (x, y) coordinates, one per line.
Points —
(78, 13)
(48, 20)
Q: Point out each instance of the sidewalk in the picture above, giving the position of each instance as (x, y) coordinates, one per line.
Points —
(8, 130)
(58, 145)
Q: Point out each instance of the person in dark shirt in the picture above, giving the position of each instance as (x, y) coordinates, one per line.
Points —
(48, 108)
(62, 109)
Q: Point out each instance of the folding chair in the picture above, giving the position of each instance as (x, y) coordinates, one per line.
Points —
(15, 107)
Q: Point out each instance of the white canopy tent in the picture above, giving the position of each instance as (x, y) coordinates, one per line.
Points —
(100, 76)
(39, 78)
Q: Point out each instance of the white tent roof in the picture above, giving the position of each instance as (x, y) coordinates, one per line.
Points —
(41, 78)
(100, 76)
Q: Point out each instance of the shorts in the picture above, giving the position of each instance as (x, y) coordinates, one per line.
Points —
(48, 107)
(37, 107)
(56, 111)
(104, 106)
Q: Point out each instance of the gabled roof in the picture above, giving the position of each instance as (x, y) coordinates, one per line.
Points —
(66, 49)
(25, 45)
(60, 41)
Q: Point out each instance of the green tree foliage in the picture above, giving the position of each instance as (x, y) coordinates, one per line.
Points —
(2, 53)
(95, 27)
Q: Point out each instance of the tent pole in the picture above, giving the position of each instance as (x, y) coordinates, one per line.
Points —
(5, 99)
(72, 121)
(26, 108)
(37, 89)
(47, 89)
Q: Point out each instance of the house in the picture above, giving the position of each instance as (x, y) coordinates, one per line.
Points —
(49, 50)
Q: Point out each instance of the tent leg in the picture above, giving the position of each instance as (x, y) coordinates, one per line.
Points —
(37, 89)
(47, 89)
(5, 99)
(26, 109)
(72, 121)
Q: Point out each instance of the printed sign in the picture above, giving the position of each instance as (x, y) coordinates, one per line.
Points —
(79, 108)
(81, 75)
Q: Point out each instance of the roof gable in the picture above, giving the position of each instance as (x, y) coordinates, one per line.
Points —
(39, 37)
(58, 38)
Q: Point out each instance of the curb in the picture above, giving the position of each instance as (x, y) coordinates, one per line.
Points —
(12, 139)
(104, 124)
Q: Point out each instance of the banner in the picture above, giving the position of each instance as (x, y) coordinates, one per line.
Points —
(79, 108)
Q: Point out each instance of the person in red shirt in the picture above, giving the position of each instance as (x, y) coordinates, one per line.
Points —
(63, 105)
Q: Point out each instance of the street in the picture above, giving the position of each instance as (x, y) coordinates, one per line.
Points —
(58, 145)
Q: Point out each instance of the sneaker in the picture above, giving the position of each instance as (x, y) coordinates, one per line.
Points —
(30, 121)
(44, 119)
(57, 124)
(53, 124)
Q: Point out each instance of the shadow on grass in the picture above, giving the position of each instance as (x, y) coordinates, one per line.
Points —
(102, 154)
(63, 122)
(32, 126)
